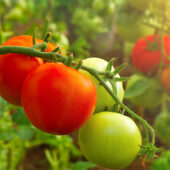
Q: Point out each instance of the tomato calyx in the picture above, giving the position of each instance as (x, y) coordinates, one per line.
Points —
(148, 150)
(154, 45)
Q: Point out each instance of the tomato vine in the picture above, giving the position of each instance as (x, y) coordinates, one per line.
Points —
(148, 148)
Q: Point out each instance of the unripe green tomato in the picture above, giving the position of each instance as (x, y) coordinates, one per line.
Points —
(162, 127)
(141, 5)
(104, 100)
(130, 28)
(150, 98)
(111, 140)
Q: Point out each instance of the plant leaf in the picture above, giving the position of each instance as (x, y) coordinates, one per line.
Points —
(137, 88)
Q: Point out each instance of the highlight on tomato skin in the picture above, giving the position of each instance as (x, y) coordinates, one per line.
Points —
(146, 54)
(14, 68)
(58, 99)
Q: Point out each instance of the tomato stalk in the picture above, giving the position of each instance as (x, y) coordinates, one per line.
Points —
(38, 50)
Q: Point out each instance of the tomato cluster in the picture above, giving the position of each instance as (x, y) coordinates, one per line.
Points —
(56, 98)
(59, 99)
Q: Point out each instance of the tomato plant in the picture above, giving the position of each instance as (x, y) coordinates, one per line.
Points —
(146, 54)
(165, 79)
(104, 100)
(15, 67)
(143, 91)
(58, 99)
(110, 139)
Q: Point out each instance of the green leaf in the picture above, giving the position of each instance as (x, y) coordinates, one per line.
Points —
(19, 117)
(25, 132)
(138, 87)
(83, 165)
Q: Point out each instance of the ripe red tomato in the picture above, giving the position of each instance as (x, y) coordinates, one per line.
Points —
(111, 140)
(165, 79)
(146, 59)
(58, 99)
(15, 67)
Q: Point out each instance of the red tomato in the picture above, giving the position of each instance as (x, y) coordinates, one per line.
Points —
(58, 99)
(15, 67)
(165, 79)
(146, 59)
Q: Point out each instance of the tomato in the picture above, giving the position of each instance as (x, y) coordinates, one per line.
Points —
(146, 59)
(135, 29)
(150, 98)
(141, 5)
(15, 67)
(58, 99)
(162, 127)
(110, 139)
(104, 100)
(165, 79)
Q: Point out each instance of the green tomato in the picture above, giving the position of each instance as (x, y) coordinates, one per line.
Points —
(104, 100)
(110, 139)
(162, 127)
(151, 97)
(141, 5)
(130, 28)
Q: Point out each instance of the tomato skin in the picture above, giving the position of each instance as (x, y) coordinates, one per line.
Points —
(144, 59)
(58, 99)
(15, 67)
(104, 100)
(165, 79)
(110, 139)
